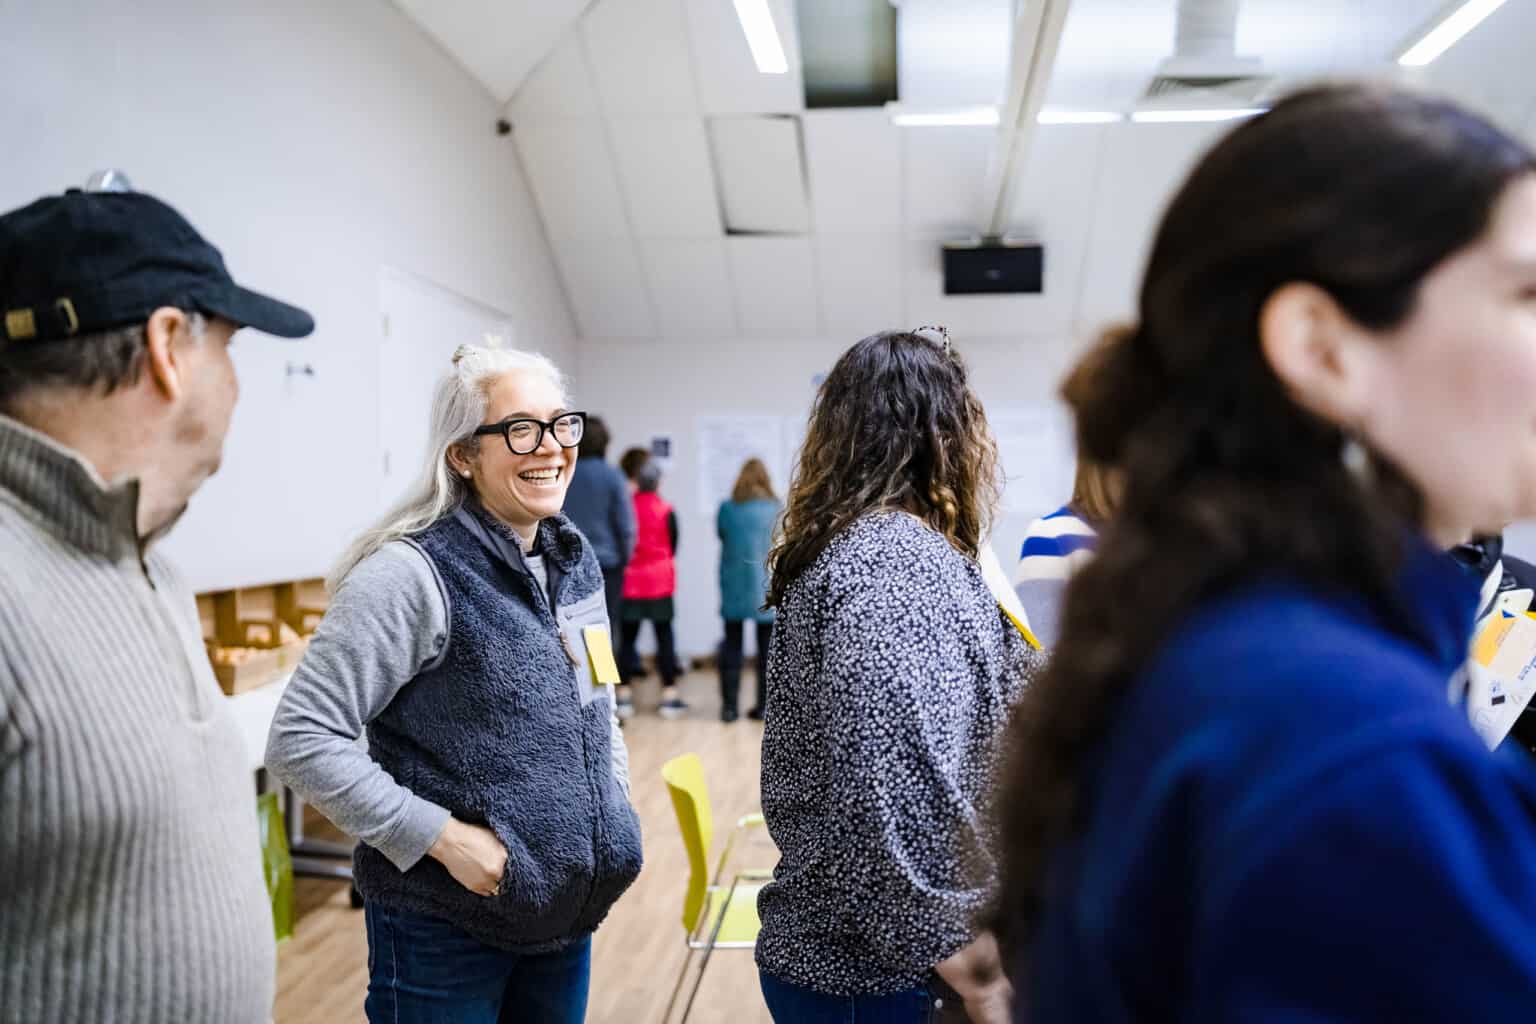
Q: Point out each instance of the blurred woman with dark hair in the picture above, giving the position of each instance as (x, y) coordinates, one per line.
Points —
(892, 677)
(1239, 790)
(745, 525)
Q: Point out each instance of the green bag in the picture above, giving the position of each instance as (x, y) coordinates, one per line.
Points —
(276, 864)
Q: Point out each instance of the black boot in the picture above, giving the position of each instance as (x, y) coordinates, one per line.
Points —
(756, 711)
(730, 685)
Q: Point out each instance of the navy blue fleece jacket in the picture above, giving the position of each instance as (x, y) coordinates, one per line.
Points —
(1288, 822)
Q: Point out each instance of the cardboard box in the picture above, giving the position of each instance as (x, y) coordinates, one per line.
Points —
(247, 617)
(301, 604)
(255, 668)
(241, 669)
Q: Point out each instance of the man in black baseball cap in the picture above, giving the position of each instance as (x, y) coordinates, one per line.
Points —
(128, 837)
(112, 301)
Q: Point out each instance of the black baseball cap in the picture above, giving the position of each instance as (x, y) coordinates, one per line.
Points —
(91, 261)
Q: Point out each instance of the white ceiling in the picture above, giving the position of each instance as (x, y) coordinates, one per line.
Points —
(685, 194)
(497, 41)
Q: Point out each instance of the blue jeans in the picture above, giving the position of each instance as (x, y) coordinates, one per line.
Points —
(424, 970)
(791, 1004)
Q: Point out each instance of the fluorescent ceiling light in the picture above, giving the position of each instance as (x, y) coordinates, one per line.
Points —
(762, 37)
(1444, 35)
(1049, 116)
(974, 117)
(1194, 116)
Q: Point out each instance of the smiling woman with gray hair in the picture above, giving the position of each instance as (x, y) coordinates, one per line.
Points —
(492, 802)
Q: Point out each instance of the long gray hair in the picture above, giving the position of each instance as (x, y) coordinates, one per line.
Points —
(458, 407)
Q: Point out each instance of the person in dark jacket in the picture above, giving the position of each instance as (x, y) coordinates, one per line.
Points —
(598, 502)
(492, 802)
(1239, 792)
(745, 524)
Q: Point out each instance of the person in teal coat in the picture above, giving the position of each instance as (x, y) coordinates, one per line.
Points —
(745, 524)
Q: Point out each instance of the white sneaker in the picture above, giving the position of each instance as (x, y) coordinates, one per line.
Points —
(673, 708)
(624, 708)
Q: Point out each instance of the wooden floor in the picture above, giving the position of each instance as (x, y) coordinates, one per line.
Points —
(323, 970)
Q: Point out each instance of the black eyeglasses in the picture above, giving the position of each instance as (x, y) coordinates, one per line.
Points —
(523, 436)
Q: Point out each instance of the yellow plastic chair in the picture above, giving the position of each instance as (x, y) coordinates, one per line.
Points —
(715, 916)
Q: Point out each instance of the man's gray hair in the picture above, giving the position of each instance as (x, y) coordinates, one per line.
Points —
(104, 361)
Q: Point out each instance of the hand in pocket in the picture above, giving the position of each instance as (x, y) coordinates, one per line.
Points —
(473, 856)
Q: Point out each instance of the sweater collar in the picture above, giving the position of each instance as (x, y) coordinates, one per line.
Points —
(67, 494)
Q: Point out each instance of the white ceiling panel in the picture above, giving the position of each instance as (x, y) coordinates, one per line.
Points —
(762, 178)
(561, 86)
(945, 171)
(638, 51)
(665, 170)
(606, 286)
(729, 82)
(775, 282)
(860, 283)
(1055, 204)
(497, 41)
(853, 160)
(571, 170)
(691, 285)
(1144, 164)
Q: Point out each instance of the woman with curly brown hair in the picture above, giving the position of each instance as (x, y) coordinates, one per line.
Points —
(891, 679)
(1240, 792)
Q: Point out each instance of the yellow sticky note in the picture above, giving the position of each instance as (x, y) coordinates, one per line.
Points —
(605, 671)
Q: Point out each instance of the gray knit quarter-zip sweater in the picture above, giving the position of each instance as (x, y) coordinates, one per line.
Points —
(130, 873)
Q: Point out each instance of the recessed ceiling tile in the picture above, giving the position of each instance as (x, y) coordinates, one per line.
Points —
(571, 171)
(762, 178)
(691, 286)
(775, 284)
(638, 51)
(853, 160)
(666, 174)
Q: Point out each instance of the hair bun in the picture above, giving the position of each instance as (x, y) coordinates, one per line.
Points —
(1112, 390)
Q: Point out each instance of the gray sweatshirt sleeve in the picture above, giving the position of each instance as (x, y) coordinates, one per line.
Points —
(618, 753)
(387, 620)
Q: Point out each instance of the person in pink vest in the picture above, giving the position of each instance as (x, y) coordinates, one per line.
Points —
(649, 582)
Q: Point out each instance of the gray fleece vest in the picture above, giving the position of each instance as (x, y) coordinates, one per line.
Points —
(506, 730)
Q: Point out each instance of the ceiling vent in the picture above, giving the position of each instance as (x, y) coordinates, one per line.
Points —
(1205, 69)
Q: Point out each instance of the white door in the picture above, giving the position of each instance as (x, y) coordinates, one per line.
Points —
(423, 323)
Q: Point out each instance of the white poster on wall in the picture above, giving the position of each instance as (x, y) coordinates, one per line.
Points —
(724, 443)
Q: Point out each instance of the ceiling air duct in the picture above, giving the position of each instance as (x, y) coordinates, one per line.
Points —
(1205, 70)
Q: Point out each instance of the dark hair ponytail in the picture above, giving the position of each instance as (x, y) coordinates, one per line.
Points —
(1358, 190)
